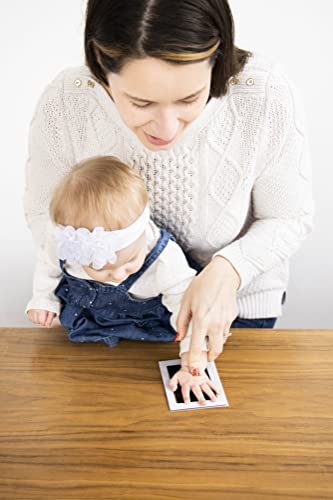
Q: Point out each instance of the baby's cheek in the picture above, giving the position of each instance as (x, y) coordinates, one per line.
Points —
(88, 271)
(139, 264)
(97, 276)
(134, 268)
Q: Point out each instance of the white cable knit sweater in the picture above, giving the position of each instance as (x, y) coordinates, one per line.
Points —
(237, 183)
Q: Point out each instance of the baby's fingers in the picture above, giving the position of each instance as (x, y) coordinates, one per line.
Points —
(197, 391)
(173, 382)
(207, 390)
(214, 387)
(41, 317)
(33, 316)
(186, 393)
(49, 319)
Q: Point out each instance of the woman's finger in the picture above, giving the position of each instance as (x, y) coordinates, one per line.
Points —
(197, 343)
(183, 319)
(215, 344)
(226, 330)
(226, 336)
(217, 341)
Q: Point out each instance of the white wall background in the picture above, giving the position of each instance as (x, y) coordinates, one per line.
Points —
(40, 37)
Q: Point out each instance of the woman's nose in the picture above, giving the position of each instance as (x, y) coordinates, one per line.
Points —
(166, 124)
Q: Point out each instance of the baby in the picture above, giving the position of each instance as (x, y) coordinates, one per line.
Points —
(108, 272)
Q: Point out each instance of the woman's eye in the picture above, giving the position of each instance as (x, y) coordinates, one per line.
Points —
(190, 102)
(141, 106)
(148, 104)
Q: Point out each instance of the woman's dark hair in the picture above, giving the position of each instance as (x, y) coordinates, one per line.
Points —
(177, 31)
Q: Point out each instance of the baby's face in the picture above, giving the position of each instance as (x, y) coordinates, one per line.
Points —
(129, 261)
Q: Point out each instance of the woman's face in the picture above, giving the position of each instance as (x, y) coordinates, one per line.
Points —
(158, 100)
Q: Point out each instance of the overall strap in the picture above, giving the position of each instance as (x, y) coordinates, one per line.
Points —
(154, 253)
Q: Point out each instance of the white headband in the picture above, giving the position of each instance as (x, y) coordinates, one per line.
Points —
(81, 247)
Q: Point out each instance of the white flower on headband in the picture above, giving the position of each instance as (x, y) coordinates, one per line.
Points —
(81, 247)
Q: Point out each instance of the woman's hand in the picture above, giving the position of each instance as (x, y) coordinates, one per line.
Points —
(41, 317)
(198, 384)
(210, 301)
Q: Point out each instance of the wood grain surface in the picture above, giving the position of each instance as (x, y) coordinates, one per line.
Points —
(89, 422)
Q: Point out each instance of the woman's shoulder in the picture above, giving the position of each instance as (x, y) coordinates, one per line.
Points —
(77, 80)
(281, 102)
(261, 75)
(71, 87)
(266, 80)
(68, 105)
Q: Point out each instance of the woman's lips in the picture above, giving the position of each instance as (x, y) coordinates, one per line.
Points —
(155, 140)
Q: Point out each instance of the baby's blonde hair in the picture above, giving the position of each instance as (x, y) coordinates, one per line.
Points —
(99, 191)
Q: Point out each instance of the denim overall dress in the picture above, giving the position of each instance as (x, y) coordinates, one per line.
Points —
(100, 312)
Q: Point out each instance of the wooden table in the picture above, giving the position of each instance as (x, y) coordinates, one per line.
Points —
(90, 422)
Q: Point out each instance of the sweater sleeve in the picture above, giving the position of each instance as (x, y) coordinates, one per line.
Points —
(46, 276)
(282, 204)
(50, 156)
(172, 278)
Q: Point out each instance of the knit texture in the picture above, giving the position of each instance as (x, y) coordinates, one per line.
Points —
(236, 184)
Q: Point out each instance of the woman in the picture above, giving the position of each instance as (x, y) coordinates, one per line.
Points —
(216, 132)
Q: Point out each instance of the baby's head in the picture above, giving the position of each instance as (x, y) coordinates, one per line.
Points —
(103, 192)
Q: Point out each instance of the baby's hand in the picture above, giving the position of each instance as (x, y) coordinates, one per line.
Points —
(41, 317)
(196, 383)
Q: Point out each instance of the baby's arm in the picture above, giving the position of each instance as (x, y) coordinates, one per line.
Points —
(44, 305)
(172, 302)
(172, 278)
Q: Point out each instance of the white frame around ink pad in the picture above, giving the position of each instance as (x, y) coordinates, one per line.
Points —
(221, 399)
